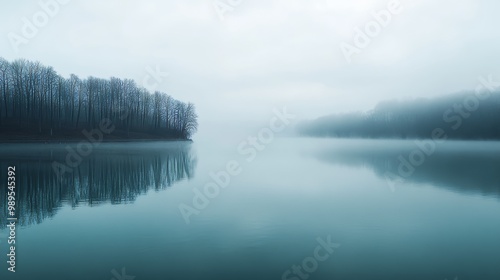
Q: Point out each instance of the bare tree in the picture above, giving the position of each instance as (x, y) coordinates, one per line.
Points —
(35, 96)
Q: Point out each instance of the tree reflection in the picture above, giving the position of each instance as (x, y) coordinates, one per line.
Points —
(113, 173)
(466, 167)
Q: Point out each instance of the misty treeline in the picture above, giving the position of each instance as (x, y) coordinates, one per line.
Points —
(458, 116)
(35, 100)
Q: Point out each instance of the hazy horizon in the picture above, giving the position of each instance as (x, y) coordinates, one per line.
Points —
(265, 54)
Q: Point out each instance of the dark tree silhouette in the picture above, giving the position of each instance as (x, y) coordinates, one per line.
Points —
(37, 103)
(460, 116)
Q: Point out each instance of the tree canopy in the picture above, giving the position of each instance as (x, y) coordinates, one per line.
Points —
(463, 115)
(38, 103)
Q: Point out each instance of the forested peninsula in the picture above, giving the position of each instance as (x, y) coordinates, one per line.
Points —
(38, 104)
(461, 116)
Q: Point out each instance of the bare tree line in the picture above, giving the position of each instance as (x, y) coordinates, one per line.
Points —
(35, 100)
(460, 116)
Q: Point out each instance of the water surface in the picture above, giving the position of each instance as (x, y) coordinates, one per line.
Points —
(119, 208)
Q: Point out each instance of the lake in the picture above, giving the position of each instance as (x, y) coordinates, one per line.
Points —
(299, 208)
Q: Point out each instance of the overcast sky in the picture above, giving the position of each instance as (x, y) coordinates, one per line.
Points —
(268, 53)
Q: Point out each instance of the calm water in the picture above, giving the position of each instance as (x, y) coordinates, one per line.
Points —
(119, 209)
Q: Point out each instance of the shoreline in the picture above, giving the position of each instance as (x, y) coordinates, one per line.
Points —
(73, 141)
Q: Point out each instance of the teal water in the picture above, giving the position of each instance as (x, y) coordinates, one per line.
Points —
(116, 214)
